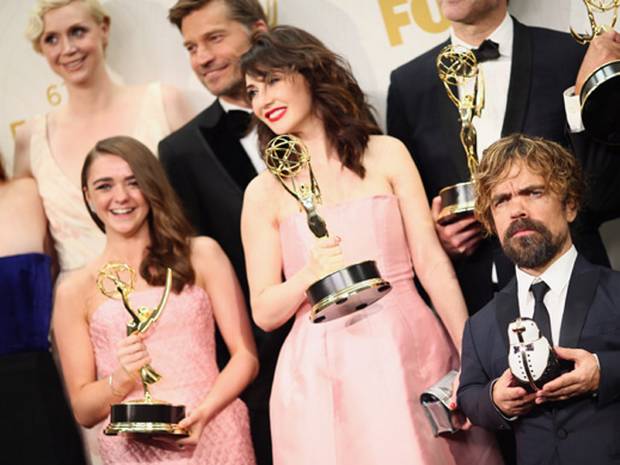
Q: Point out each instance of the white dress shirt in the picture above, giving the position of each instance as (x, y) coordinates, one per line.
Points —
(557, 277)
(250, 141)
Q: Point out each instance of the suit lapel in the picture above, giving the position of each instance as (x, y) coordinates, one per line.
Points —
(520, 80)
(581, 289)
(451, 123)
(506, 309)
(208, 123)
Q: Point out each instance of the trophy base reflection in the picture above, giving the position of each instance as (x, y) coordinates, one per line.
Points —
(346, 291)
(457, 201)
(146, 418)
(600, 103)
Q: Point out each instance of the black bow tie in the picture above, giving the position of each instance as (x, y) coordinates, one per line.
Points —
(488, 50)
(238, 122)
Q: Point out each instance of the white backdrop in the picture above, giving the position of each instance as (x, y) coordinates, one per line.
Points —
(374, 35)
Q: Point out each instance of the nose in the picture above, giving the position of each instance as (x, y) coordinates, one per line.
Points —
(204, 56)
(120, 194)
(517, 207)
(68, 46)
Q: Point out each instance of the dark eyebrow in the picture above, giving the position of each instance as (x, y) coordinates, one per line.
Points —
(529, 189)
(503, 196)
(106, 179)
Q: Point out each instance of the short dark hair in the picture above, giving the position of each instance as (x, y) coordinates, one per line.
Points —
(246, 12)
(336, 96)
(560, 170)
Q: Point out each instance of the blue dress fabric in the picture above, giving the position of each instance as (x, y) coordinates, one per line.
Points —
(37, 426)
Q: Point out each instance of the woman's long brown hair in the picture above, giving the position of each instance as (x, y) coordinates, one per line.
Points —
(169, 230)
(337, 98)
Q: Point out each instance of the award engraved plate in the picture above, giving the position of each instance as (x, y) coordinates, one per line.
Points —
(349, 289)
(600, 93)
(457, 68)
(531, 358)
(435, 401)
(147, 416)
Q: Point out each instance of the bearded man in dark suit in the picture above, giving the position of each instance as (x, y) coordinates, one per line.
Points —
(528, 192)
(526, 71)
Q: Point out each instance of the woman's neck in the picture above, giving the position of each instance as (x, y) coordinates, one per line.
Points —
(93, 97)
(126, 250)
(316, 140)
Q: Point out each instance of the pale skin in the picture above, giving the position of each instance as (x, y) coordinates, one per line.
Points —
(74, 46)
(390, 171)
(523, 194)
(474, 20)
(28, 231)
(77, 298)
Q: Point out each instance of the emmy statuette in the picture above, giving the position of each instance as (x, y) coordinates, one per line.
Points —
(457, 68)
(600, 93)
(148, 416)
(349, 289)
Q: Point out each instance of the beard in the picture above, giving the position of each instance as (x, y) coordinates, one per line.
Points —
(534, 250)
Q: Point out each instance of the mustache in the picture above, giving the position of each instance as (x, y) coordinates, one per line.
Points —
(523, 224)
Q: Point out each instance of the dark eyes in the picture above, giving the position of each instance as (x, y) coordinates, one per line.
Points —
(103, 186)
(251, 93)
(76, 31)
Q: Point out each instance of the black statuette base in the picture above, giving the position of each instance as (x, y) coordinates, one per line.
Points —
(457, 202)
(346, 291)
(146, 418)
(600, 103)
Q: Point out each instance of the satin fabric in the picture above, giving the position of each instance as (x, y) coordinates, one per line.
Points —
(347, 391)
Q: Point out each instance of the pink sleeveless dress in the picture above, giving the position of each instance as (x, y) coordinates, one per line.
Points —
(182, 347)
(347, 391)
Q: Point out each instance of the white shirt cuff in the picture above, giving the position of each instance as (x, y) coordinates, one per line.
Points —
(572, 106)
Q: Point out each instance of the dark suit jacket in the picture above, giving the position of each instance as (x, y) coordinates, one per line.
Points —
(582, 430)
(211, 192)
(419, 113)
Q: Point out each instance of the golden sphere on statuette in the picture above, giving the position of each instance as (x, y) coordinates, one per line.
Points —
(286, 156)
(115, 278)
(455, 64)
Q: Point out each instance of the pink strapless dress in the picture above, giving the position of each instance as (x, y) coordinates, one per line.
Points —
(347, 391)
(182, 347)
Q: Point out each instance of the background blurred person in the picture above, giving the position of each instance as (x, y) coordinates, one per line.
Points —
(37, 426)
(72, 35)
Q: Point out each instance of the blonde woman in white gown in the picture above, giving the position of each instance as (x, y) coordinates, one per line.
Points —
(73, 35)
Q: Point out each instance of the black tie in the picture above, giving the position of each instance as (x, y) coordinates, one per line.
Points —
(541, 315)
(488, 50)
(238, 122)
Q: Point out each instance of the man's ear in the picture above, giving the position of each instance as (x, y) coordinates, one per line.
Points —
(570, 210)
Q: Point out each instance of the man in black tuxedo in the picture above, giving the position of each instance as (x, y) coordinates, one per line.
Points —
(525, 72)
(528, 193)
(211, 159)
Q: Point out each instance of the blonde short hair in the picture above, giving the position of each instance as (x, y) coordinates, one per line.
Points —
(35, 27)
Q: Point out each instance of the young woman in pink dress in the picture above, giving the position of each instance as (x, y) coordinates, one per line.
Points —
(130, 199)
(347, 391)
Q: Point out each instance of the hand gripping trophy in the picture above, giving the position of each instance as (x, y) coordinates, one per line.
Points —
(349, 289)
(147, 416)
(458, 70)
(600, 93)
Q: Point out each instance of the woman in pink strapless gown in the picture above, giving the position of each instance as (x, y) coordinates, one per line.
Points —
(129, 197)
(347, 391)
